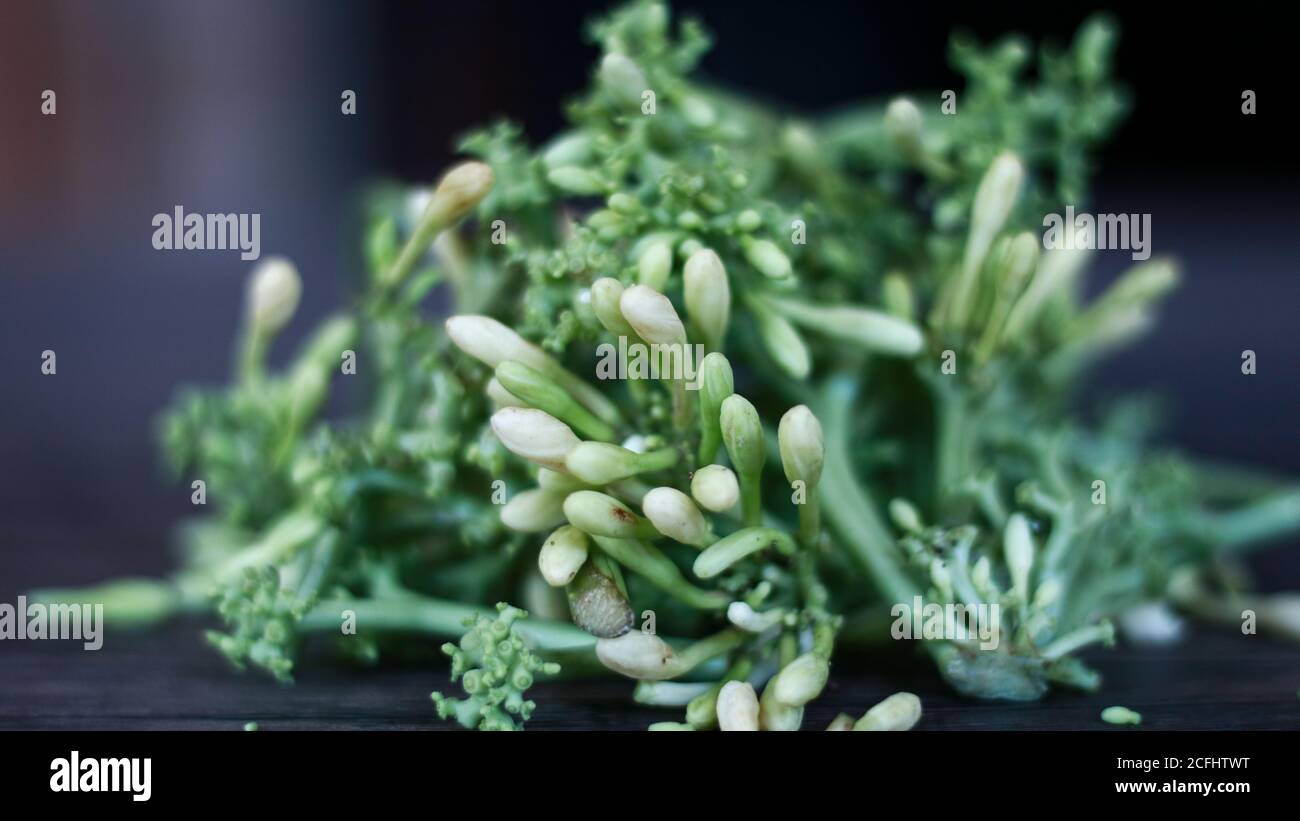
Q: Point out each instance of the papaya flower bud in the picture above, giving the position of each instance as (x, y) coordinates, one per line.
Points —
(606, 294)
(994, 199)
(622, 79)
(580, 182)
(802, 680)
(568, 149)
(870, 329)
(716, 384)
(1018, 550)
(637, 654)
(802, 452)
(539, 391)
(707, 294)
(459, 190)
(273, 293)
(775, 715)
(501, 397)
(782, 341)
(599, 463)
(652, 315)
(903, 123)
(535, 435)
(897, 297)
(752, 621)
(655, 265)
(900, 711)
(562, 555)
(766, 257)
(1151, 623)
(840, 723)
(742, 432)
(676, 516)
(715, 488)
(599, 515)
(737, 707)
(533, 511)
(905, 516)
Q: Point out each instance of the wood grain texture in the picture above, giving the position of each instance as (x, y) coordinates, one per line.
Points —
(170, 679)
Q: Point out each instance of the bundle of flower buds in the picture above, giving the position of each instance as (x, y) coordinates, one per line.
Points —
(723, 395)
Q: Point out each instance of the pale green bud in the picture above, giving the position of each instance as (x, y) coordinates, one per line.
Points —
(994, 199)
(622, 79)
(606, 293)
(501, 397)
(775, 715)
(707, 294)
(737, 707)
(725, 552)
(568, 150)
(749, 220)
(782, 342)
(1018, 550)
(873, 330)
(574, 180)
(562, 555)
(557, 482)
(750, 620)
(802, 452)
(900, 711)
(535, 435)
(715, 488)
(903, 122)
(840, 723)
(698, 112)
(1120, 715)
(533, 511)
(905, 516)
(767, 258)
(655, 265)
(941, 578)
(802, 680)
(273, 293)
(637, 654)
(593, 512)
(652, 315)
(743, 434)
(599, 463)
(674, 514)
(716, 384)
(1048, 593)
(539, 391)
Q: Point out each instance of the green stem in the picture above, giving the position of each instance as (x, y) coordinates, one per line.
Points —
(1249, 526)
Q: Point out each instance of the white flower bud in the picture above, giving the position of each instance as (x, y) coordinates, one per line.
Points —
(638, 654)
(802, 680)
(606, 294)
(840, 723)
(900, 711)
(765, 256)
(750, 620)
(652, 315)
(601, 463)
(600, 515)
(1018, 550)
(561, 556)
(656, 265)
(460, 189)
(715, 488)
(775, 715)
(903, 123)
(994, 200)
(802, 453)
(707, 294)
(742, 432)
(535, 435)
(737, 707)
(273, 293)
(492, 343)
(533, 511)
(905, 516)
(676, 516)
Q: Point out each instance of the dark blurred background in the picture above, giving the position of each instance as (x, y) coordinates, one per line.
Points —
(234, 106)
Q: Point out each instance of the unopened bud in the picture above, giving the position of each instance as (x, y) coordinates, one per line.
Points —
(599, 463)
(600, 515)
(622, 79)
(715, 488)
(273, 293)
(708, 296)
(460, 189)
(905, 516)
(674, 514)
(802, 680)
(737, 707)
(637, 654)
(656, 265)
(606, 294)
(533, 511)
(743, 434)
(802, 452)
(562, 555)
(652, 315)
(900, 711)
(903, 123)
(535, 435)
(716, 384)
(767, 258)
(1018, 550)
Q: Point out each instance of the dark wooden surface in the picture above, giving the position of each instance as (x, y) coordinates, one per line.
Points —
(169, 679)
